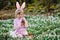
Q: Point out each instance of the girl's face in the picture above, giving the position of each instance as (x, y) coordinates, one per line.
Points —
(19, 15)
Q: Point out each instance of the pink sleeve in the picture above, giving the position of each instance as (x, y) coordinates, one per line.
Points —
(15, 24)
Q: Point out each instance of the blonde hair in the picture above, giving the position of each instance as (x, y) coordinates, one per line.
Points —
(16, 13)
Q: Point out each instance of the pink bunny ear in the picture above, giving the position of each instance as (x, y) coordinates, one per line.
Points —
(23, 6)
(17, 5)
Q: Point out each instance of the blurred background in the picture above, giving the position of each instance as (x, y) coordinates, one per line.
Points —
(33, 7)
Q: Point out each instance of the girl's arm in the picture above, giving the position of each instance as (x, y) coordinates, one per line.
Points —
(16, 26)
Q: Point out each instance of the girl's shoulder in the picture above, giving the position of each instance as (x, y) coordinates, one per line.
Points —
(15, 19)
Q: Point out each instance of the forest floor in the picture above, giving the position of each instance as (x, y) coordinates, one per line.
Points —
(8, 14)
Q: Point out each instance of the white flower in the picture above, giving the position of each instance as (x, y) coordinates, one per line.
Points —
(19, 35)
(13, 33)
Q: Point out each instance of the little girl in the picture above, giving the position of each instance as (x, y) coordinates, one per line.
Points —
(20, 23)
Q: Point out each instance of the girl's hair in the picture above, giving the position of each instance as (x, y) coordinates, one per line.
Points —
(18, 13)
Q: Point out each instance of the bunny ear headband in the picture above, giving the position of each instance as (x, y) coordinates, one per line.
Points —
(20, 8)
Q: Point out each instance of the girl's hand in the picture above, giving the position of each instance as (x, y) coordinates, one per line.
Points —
(26, 23)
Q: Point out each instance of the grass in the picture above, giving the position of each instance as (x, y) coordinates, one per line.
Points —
(41, 27)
